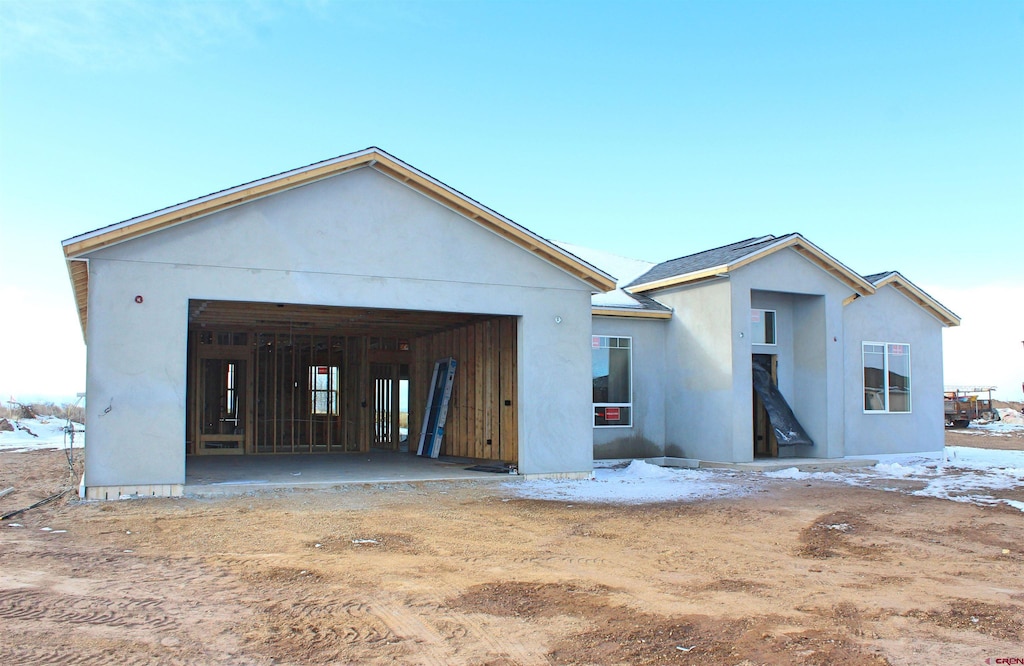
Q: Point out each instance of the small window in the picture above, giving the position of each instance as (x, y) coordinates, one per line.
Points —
(762, 327)
(886, 377)
(323, 388)
(612, 374)
(230, 391)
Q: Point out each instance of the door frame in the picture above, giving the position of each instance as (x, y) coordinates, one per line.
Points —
(245, 394)
(763, 433)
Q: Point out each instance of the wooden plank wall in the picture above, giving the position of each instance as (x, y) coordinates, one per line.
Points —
(284, 421)
(480, 424)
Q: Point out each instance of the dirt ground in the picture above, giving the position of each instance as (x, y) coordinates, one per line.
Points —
(795, 572)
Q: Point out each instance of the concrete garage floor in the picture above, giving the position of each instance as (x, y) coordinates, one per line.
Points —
(207, 476)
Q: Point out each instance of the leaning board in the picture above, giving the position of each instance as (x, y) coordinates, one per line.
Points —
(434, 417)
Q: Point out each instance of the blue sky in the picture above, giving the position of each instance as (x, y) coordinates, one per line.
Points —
(889, 133)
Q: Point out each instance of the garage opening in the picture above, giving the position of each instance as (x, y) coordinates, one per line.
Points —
(274, 378)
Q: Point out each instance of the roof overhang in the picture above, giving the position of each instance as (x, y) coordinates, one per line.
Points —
(919, 297)
(77, 248)
(796, 242)
(605, 311)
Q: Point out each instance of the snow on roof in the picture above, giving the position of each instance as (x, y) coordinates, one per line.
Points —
(623, 269)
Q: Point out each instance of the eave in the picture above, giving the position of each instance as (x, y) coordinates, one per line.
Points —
(78, 272)
(78, 247)
(920, 298)
(631, 312)
(795, 242)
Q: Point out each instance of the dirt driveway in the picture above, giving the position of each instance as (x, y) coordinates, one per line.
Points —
(792, 572)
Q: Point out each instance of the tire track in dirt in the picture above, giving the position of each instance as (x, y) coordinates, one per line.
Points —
(478, 627)
(107, 652)
(72, 657)
(430, 644)
(34, 605)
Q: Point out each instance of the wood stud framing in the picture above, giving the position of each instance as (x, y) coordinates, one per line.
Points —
(483, 413)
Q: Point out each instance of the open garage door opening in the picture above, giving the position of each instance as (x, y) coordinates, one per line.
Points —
(270, 378)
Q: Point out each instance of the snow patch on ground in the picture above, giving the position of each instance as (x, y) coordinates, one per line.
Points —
(637, 483)
(959, 474)
(42, 432)
(1011, 417)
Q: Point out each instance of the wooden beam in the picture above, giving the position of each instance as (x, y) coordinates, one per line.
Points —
(716, 271)
(624, 312)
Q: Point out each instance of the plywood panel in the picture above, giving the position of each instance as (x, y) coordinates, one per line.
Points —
(480, 392)
(509, 425)
(477, 416)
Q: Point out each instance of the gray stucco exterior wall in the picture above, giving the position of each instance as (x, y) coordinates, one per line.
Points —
(698, 370)
(646, 437)
(889, 317)
(359, 239)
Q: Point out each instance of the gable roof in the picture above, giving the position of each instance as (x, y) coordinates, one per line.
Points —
(917, 295)
(78, 247)
(722, 260)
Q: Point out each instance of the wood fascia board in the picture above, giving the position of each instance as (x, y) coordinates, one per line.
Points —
(212, 203)
(849, 278)
(625, 312)
(920, 298)
(816, 256)
(494, 222)
(385, 164)
(716, 271)
(799, 245)
(78, 274)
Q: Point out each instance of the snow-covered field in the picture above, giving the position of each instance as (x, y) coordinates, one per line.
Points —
(958, 473)
(42, 432)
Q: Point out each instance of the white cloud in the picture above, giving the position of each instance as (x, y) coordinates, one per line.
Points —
(123, 33)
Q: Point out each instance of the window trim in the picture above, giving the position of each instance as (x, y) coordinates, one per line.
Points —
(775, 326)
(885, 378)
(628, 405)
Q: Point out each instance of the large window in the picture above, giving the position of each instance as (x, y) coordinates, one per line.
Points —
(886, 377)
(612, 369)
(323, 389)
(762, 327)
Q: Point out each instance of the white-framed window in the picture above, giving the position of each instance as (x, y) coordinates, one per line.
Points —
(762, 327)
(612, 365)
(886, 377)
(323, 389)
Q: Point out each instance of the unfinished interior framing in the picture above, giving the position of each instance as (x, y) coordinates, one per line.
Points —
(275, 378)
